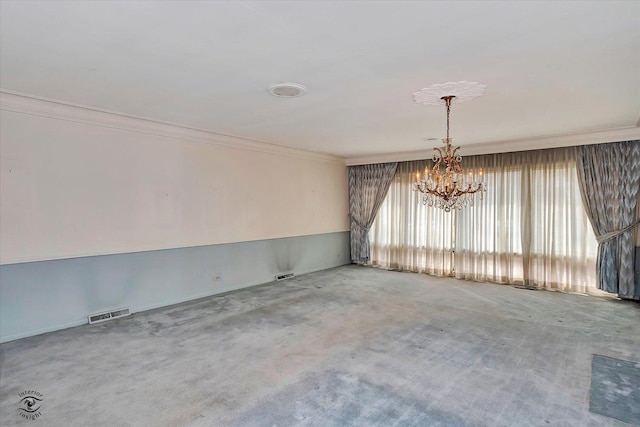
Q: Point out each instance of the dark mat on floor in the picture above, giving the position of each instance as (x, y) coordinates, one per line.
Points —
(615, 389)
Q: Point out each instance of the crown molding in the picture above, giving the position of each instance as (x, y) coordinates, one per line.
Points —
(38, 106)
(552, 141)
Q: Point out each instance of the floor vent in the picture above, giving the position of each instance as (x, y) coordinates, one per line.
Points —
(108, 315)
(284, 276)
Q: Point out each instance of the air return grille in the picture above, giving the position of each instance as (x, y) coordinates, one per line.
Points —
(108, 315)
(284, 276)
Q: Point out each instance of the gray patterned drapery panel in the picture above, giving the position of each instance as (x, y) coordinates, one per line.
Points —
(368, 186)
(609, 178)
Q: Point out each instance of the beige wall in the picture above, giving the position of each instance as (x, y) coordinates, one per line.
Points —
(72, 188)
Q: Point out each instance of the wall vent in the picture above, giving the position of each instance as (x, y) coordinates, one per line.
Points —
(284, 276)
(108, 315)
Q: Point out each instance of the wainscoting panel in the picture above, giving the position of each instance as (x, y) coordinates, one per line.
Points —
(39, 297)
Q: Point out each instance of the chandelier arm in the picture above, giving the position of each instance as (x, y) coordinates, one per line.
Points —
(438, 155)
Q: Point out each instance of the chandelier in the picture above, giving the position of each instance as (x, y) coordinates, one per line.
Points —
(446, 185)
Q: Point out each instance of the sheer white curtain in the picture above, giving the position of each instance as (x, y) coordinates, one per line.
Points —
(530, 228)
(563, 248)
(488, 235)
(407, 235)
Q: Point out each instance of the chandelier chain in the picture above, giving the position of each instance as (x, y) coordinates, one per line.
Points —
(447, 100)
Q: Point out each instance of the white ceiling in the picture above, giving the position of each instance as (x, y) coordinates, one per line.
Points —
(551, 68)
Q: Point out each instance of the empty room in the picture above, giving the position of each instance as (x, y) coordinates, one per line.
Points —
(320, 213)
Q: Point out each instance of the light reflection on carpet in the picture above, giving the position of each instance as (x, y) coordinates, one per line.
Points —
(338, 399)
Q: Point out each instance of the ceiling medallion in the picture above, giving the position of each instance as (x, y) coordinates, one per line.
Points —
(447, 186)
(434, 94)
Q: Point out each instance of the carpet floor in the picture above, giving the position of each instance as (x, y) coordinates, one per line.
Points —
(349, 346)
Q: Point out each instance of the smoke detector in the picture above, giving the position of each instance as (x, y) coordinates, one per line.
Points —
(286, 90)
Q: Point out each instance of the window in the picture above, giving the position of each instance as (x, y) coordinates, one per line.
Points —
(529, 228)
